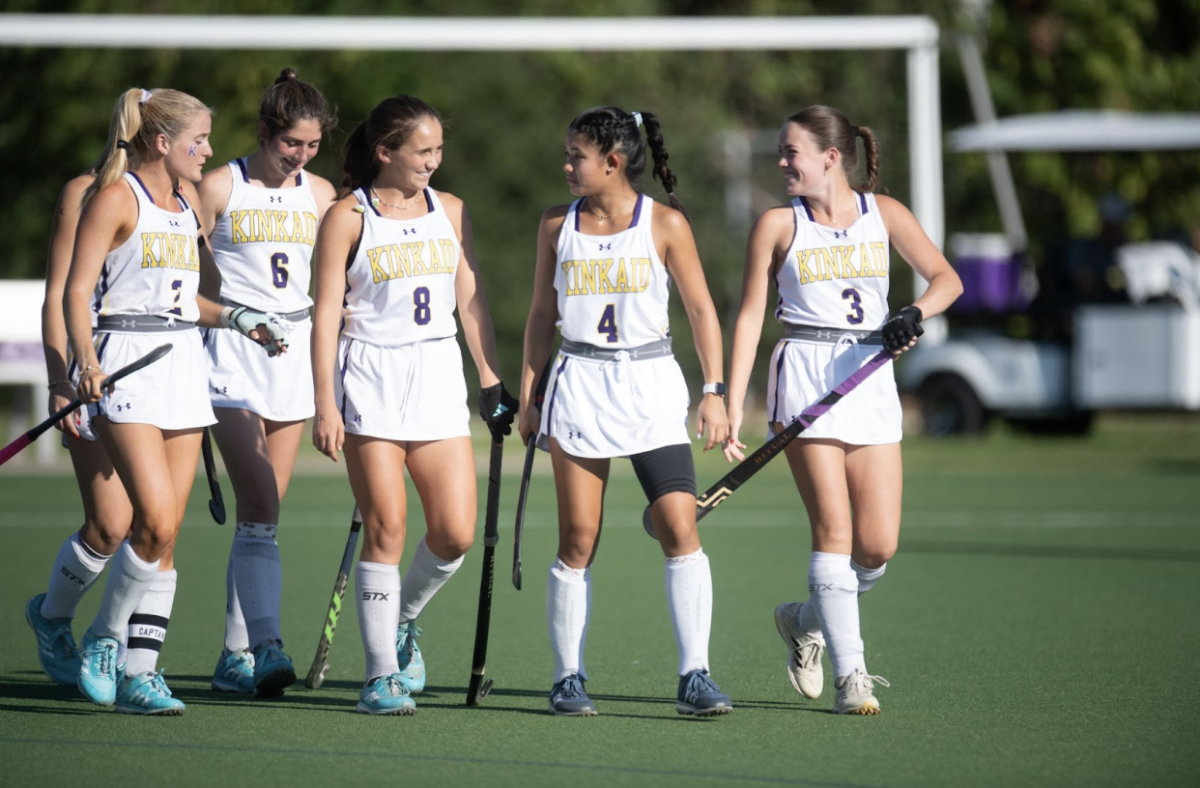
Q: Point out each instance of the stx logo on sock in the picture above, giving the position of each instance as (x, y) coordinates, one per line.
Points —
(74, 578)
(374, 596)
(815, 587)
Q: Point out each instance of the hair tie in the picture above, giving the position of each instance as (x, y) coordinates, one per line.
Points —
(124, 145)
(637, 118)
(854, 131)
(145, 96)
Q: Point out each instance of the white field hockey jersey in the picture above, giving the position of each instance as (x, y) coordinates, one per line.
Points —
(400, 285)
(613, 290)
(156, 271)
(263, 243)
(835, 278)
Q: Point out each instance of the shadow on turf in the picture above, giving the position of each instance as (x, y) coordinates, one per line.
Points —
(1049, 551)
(38, 687)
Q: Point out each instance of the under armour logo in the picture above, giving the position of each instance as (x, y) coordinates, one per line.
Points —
(572, 435)
(275, 198)
(128, 324)
(406, 231)
(606, 247)
(358, 419)
(221, 389)
(124, 407)
(822, 334)
(841, 234)
(173, 222)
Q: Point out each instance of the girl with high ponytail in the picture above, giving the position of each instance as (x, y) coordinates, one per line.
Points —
(136, 271)
(605, 266)
(827, 255)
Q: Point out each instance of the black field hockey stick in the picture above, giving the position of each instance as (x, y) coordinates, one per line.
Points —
(216, 503)
(714, 496)
(320, 663)
(526, 473)
(14, 448)
(478, 688)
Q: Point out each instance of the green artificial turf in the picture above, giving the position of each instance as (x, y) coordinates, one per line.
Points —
(1037, 626)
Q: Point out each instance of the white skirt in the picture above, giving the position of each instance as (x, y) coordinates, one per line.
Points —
(614, 408)
(242, 375)
(171, 393)
(804, 372)
(414, 392)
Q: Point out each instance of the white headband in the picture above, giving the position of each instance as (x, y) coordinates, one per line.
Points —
(637, 118)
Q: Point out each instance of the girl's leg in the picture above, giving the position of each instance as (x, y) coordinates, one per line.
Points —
(443, 473)
(580, 483)
(376, 470)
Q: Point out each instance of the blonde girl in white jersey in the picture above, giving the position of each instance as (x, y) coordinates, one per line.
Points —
(827, 252)
(394, 260)
(604, 266)
(264, 210)
(136, 267)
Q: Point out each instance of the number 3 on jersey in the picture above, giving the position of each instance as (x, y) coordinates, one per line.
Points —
(856, 315)
(608, 323)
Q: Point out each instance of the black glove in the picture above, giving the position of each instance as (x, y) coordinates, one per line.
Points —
(902, 329)
(498, 409)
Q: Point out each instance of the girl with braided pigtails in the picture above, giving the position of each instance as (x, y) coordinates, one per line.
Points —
(136, 268)
(264, 210)
(605, 265)
(827, 254)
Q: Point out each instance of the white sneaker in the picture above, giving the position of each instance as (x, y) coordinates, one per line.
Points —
(855, 693)
(804, 651)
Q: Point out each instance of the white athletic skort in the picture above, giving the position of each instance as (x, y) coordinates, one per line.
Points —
(171, 393)
(242, 375)
(413, 392)
(804, 372)
(616, 407)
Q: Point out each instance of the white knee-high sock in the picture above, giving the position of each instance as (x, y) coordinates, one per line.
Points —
(426, 574)
(377, 590)
(833, 592)
(689, 595)
(128, 581)
(76, 568)
(148, 624)
(867, 578)
(567, 611)
(236, 636)
(258, 578)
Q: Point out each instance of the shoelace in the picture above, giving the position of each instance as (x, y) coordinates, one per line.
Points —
(700, 683)
(61, 635)
(106, 658)
(410, 642)
(572, 687)
(392, 686)
(860, 682)
(807, 654)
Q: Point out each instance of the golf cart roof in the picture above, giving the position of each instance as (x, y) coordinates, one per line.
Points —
(1081, 130)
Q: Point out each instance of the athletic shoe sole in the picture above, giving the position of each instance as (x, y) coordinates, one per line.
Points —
(868, 709)
(140, 711)
(274, 683)
(403, 712)
(582, 713)
(692, 711)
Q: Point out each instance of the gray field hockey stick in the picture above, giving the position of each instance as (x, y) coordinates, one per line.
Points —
(320, 664)
(526, 473)
(216, 503)
(741, 473)
(478, 688)
(14, 448)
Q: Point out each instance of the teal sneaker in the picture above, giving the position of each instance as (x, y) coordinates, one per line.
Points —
(234, 672)
(412, 665)
(568, 699)
(386, 695)
(56, 644)
(147, 693)
(700, 696)
(98, 670)
(273, 671)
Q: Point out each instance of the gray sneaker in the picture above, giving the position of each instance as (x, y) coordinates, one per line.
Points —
(856, 693)
(700, 696)
(804, 651)
(568, 699)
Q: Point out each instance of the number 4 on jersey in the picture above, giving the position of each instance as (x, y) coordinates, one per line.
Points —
(608, 323)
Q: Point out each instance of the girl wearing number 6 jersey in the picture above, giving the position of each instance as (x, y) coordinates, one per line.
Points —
(827, 254)
(264, 210)
(395, 259)
(605, 264)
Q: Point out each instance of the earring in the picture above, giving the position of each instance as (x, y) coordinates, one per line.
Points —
(608, 171)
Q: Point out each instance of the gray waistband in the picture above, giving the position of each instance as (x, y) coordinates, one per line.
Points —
(830, 335)
(299, 314)
(657, 349)
(141, 324)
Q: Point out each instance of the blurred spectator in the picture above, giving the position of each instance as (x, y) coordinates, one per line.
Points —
(1091, 263)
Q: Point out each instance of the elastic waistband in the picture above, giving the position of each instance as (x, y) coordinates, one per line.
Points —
(830, 336)
(299, 314)
(141, 324)
(658, 349)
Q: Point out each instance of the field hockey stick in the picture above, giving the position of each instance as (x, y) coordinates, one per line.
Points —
(216, 504)
(715, 495)
(14, 448)
(526, 472)
(478, 688)
(320, 663)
